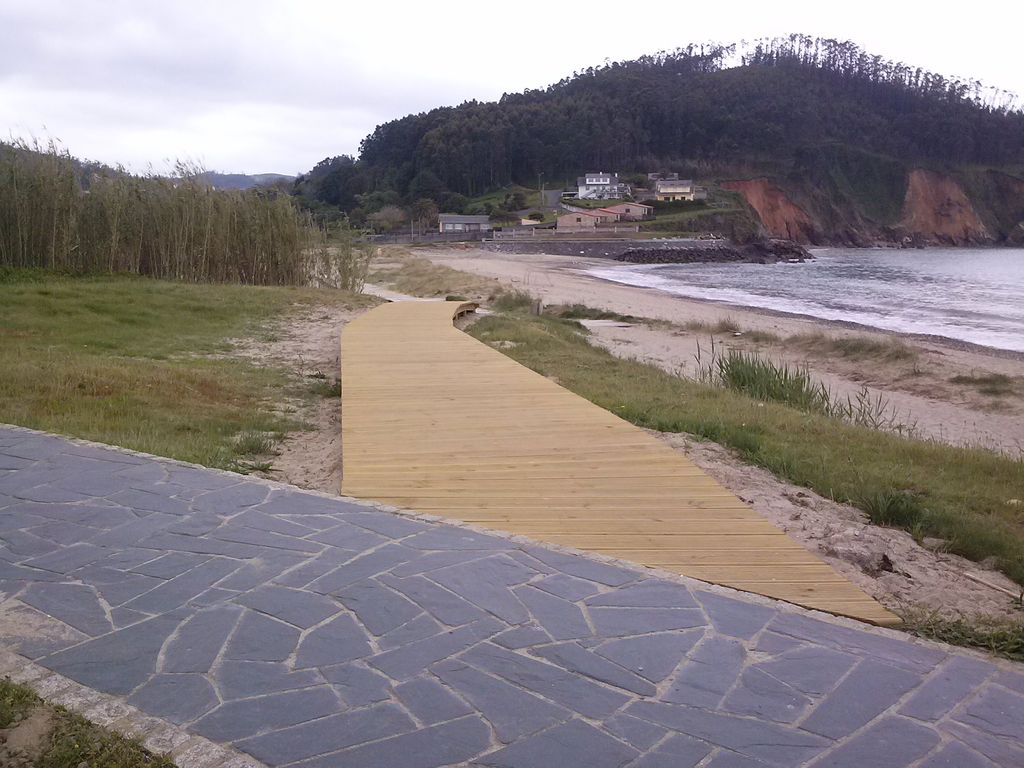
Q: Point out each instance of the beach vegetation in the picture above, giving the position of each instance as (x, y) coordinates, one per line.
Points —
(991, 384)
(1002, 637)
(511, 301)
(583, 312)
(762, 378)
(61, 739)
(855, 347)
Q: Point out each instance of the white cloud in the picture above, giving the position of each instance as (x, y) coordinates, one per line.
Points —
(276, 86)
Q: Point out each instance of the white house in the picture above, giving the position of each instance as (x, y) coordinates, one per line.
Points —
(667, 190)
(600, 186)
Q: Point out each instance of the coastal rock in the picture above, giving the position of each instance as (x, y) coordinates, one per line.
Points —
(763, 252)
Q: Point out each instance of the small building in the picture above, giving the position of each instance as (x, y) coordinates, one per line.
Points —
(663, 177)
(631, 211)
(670, 190)
(457, 222)
(576, 221)
(606, 215)
(599, 185)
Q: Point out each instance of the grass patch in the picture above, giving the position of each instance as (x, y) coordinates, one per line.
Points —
(895, 509)
(764, 379)
(962, 492)
(992, 384)
(15, 702)
(726, 325)
(254, 444)
(146, 364)
(325, 387)
(1000, 637)
(855, 347)
(512, 301)
(583, 312)
(73, 740)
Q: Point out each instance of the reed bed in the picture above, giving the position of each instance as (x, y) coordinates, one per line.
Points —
(59, 214)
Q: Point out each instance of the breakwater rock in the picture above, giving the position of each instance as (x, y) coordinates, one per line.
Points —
(766, 252)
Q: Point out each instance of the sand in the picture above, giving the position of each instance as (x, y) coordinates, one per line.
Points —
(309, 345)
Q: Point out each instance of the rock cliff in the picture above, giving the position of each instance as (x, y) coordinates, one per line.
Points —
(963, 208)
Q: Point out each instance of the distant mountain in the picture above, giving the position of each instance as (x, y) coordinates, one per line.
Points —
(243, 181)
(825, 142)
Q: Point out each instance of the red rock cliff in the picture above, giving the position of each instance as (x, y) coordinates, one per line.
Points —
(779, 215)
(935, 208)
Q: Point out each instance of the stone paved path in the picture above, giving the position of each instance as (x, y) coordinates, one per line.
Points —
(309, 631)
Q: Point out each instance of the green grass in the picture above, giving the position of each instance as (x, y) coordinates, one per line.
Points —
(15, 702)
(992, 384)
(855, 347)
(896, 509)
(1000, 637)
(511, 301)
(145, 363)
(497, 198)
(764, 379)
(325, 387)
(963, 493)
(583, 312)
(73, 740)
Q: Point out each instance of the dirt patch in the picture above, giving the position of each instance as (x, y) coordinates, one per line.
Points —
(307, 343)
(886, 563)
(779, 215)
(27, 738)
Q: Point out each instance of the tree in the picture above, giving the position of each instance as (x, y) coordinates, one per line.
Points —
(426, 184)
(424, 213)
(689, 108)
(387, 219)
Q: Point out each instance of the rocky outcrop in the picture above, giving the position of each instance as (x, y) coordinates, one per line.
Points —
(764, 252)
(937, 211)
(781, 217)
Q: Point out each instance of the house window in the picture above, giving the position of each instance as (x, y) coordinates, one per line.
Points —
(579, 219)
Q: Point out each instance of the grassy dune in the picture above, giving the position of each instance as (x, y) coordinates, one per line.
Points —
(143, 363)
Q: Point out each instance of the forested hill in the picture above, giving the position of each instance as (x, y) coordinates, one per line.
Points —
(800, 111)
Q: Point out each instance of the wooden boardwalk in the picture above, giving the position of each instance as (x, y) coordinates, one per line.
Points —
(436, 421)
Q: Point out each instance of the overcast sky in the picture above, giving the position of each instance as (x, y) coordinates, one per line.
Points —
(253, 86)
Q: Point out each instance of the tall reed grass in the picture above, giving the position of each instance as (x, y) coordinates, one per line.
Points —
(59, 214)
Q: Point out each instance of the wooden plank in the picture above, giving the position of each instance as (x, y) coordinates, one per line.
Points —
(435, 421)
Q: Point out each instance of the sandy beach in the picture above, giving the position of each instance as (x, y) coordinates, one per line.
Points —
(918, 389)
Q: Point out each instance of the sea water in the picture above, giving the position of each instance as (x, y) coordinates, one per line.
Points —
(969, 294)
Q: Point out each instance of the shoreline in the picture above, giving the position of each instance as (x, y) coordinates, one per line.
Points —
(849, 325)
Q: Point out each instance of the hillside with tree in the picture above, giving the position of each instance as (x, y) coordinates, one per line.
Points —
(831, 142)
